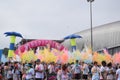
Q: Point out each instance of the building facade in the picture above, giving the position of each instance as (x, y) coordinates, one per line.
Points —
(104, 36)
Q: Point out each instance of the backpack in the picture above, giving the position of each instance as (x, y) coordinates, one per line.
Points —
(77, 69)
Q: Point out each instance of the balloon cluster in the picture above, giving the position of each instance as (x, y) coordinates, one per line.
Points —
(36, 43)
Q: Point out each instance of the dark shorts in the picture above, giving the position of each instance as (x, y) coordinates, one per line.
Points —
(77, 76)
(29, 79)
(10, 79)
(38, 79)
(85, 76)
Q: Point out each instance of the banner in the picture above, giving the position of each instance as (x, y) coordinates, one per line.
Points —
(1, 51)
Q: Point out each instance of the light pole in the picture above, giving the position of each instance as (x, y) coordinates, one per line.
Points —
(91, 25)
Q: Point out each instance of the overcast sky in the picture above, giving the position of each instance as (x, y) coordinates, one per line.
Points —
(53, 19)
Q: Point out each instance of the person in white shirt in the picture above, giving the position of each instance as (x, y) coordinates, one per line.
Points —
(51, 68)
(15, 72)
(118, 73)
(39, 70)
(85, 71)
(95, 72)
(51, 71)
(103, 68)
(76, 69)
(110, 72)
(63, 73)
(9, 74)
(29, 72)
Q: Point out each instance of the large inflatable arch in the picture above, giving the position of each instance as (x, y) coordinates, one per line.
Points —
(36, 43)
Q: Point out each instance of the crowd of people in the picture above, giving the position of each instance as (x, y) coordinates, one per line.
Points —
(37, 70)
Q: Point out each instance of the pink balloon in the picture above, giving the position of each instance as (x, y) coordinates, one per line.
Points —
(30, 45)
(36, 43)
(22, 49)
(17, 52)
(39, 43)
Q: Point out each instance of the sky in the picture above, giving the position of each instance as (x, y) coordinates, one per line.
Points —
(53, 19)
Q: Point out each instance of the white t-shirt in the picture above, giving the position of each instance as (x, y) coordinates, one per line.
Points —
(30, 73)
(51, 68)
(103, 69)
(9, 74)
(103, 72)
(95, 73)
(118, 73)
(85, 69)
(61, 75)
(109, 76)
(76, 68)
(64, 76)
(39, 74)
(16, 74)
